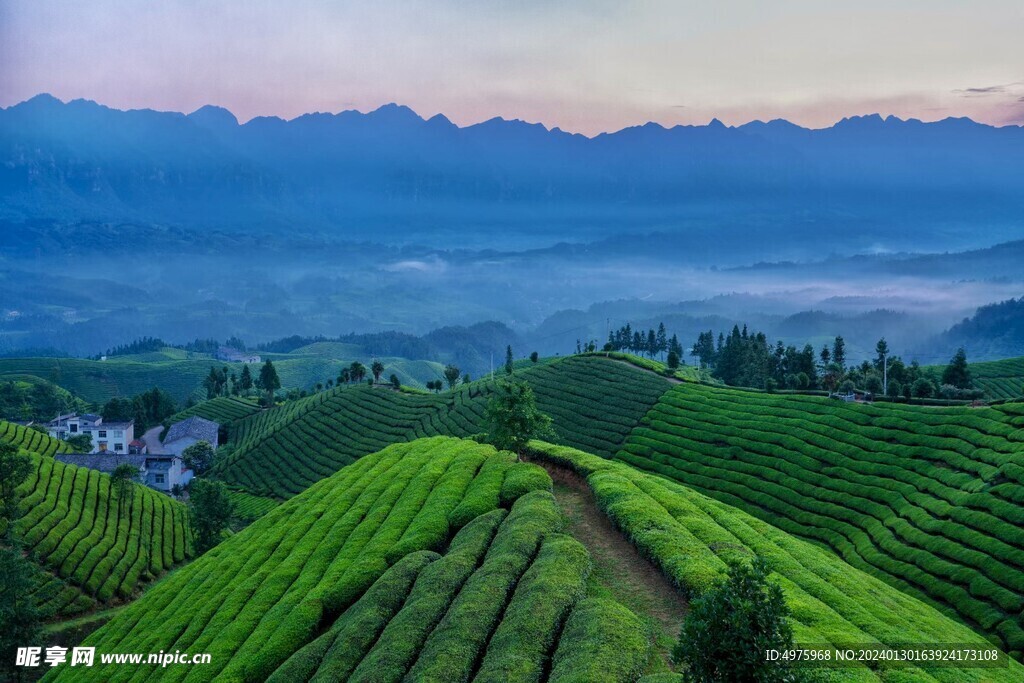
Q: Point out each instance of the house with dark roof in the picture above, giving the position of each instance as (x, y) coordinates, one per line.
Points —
(160, 472)
(112, 437)
(192, 430)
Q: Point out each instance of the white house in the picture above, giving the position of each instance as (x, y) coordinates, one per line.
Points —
(107, 437)
(183, 434)
(160, 472)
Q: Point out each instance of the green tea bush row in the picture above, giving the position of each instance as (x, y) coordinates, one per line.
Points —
(830, 601)
(74, 525)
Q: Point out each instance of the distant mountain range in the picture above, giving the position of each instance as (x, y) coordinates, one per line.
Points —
(350, 173)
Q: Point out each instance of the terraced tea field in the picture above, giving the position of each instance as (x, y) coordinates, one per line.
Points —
(928, 499)
(31, 440)
(436, 560)
(1001, 378)
(280, 452)
(691, 537)
(78, 531)
(222, 410)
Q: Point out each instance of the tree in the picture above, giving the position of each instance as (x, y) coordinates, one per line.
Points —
(452, 375)
(435, 385)
(466, 379)
(508, 360)
(957, 373)
(245, 381)
(377, 368)
(673, 360)
(199, 456)
(357, 371)
(19, 614)
(839, 352)
(923, 388)
(730, 626)
(512, 417)
(395, 383)
(534, 357)
(80, 443)
(14, 468)
(269, 381)
(123, 480)
(661, 339)
(881, 353)
(210, 511)
(895, 390)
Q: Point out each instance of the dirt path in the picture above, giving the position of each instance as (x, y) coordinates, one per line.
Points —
(620, 571)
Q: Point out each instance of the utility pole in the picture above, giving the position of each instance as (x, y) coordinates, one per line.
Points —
(885, 374)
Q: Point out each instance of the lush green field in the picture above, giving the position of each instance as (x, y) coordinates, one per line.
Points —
(248, 507)
(81, 535)
(691, 537)
(280, 452)
(1000, 378)
(225, 411)
(928, 499)
(436, 560)
(31, 440)
(99, 381)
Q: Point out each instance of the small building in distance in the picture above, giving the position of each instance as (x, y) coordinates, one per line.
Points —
(191, 430)
(112, 437)
(160, 472)
(231, 355)
(137, 447)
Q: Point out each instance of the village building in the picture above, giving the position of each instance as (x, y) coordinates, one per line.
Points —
(226, 353)
(112, 437)
(189, 431)
(160, 472)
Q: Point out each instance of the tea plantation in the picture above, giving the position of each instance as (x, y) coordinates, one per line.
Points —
(91, 545)
(691, 537)
(435, 560)
(1000, 379)
(595, 403)
(928, 499)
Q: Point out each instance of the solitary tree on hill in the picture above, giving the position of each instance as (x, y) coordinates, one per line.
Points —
(508, 360)
(357, 371)
(123, 481)
(513, 418)
(731, 625)
(395, 382)
(377, 368)
(534, 357)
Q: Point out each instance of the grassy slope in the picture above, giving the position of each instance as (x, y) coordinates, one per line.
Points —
(691, 537)
(439, 559)
(225, 411)
(89, 546)
(594, 403)
(927, 499)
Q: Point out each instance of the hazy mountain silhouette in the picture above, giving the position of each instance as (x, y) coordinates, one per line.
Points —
(349, 173)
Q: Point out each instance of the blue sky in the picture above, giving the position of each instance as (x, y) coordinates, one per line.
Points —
(586, 66)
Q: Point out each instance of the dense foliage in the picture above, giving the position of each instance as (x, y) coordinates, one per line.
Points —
(27, 398)
(928, 500)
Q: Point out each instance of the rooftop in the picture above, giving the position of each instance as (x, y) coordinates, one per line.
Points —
(196, 427)
(101, 461)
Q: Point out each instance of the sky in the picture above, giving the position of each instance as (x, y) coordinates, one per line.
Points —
(582, 65)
